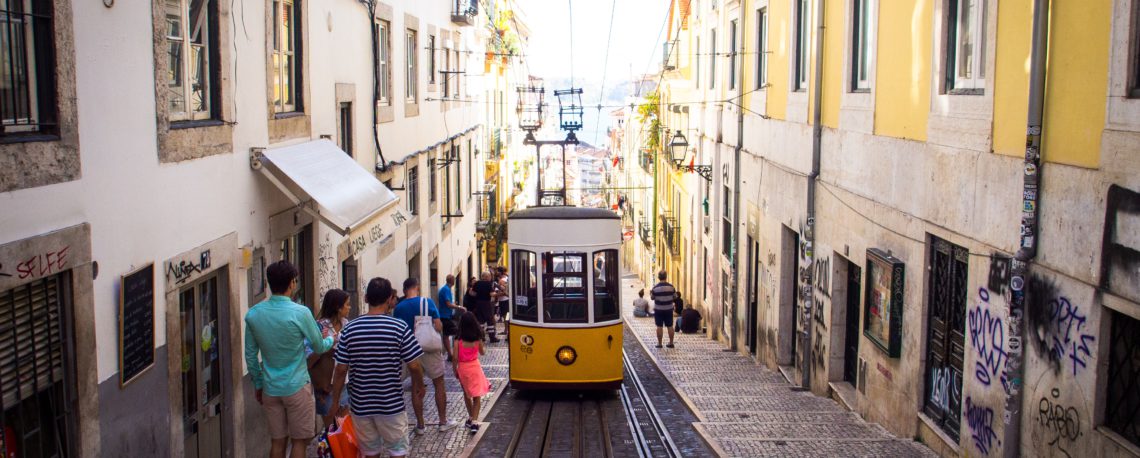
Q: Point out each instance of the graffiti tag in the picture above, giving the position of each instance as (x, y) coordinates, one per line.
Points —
(184, 270)
(1062, 422)
(945, 388)
(40, 265)
(987, 334)
(981, 422)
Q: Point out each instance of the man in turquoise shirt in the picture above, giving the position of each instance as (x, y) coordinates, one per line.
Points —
(277, 329)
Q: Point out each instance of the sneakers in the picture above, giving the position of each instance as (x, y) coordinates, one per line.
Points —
(668, 346)
(471, 426)
(419, 430)
(451, 424)
(658, 345)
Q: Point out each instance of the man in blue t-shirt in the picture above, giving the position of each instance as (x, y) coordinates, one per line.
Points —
(447, 313)
(432, 361)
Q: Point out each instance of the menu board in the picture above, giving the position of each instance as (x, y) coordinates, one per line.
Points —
(136, 324)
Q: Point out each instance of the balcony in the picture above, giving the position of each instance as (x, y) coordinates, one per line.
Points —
(645, 232)
(463, 12)
(645, 158)
(488, 213)
(671, 232)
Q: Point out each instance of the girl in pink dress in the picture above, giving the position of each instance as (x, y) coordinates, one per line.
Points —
(467, 349)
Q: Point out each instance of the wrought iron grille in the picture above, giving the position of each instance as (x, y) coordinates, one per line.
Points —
(645, 231)
(1122, 410)
(672, 233)
(33, 393)
(646, 160)
(27, 67)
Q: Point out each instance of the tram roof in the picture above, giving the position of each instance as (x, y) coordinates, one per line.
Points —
(564, 212)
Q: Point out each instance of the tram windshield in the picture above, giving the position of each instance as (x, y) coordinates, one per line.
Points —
(606, 286)
(564, 288)
(525, 283)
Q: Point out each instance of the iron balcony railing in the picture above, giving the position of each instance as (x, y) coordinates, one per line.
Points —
(645, 232)
(646, 159)
(671, 231)
(465, 11)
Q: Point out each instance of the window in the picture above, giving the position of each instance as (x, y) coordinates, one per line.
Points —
(447, 204)
(470, 172)
(564, 287)
(860, 45)
(697, 62)
(412, 189)
(801, 64)
(607, 286)
(446, 73)
(286, 56)
(732, 53)
(295, 249)
(705, 273)
(761, 47)
(726, 228)
(410, 74)
(1122, 409)
(966, 53)
(524, 282)
(27, 76)
(431, 178)
(712, 59)
(384, 73)
(190, 31)
(37, 376)
(458, 70)
(431, 59)
(344, 124)
(459, 179)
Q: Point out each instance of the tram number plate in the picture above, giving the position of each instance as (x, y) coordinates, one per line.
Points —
(526, 349)
(521, 300)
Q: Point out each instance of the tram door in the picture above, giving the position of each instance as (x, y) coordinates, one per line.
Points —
(202, 373)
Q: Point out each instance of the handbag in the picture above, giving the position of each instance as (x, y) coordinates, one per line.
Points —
(425, 331)
(342, 442)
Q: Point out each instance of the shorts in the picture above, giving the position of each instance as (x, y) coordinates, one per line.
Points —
(663, 318)
(432, 364)
(293, 416)
(504, 308)
(324, 401)
(450, 326)
(485, 312)
(376, 434)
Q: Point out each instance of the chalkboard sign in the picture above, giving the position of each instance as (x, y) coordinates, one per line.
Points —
(136, 324)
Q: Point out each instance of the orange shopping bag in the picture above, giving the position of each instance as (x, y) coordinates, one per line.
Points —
(343, 441)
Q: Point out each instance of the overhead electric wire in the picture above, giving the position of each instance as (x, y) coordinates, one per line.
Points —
(605, 69)
(570, 5)
(649, 61)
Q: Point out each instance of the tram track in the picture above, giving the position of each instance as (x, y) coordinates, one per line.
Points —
(577, 425)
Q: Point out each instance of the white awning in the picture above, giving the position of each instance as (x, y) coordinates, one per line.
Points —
(328, 183)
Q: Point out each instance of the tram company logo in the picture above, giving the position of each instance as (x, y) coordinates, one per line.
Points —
(527, 340)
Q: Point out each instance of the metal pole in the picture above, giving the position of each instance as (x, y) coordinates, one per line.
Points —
(1031, 194)
(736, 179)
(809, 228)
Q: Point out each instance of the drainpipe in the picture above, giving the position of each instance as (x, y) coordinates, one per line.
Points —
(809, 228)
(736, 178)
(381, 164)
(1031, 194)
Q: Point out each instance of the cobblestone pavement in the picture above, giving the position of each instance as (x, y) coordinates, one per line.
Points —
(434, 443)
(747, 410)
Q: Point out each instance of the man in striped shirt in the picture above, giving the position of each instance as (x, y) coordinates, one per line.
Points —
(372, 351)
(663, 293)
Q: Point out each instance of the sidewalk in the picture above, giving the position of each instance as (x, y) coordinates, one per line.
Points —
(748, 410)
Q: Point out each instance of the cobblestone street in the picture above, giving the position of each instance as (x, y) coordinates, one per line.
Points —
(747, 410)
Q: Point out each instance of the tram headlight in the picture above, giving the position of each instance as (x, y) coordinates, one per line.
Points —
(566, 355)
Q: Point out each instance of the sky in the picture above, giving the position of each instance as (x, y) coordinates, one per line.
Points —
(634, 48)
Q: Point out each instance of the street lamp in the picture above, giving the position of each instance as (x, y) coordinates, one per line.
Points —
(678, 148)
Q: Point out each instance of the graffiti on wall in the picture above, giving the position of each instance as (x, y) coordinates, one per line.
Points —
(1058, 327)
(1063, 423)
(987, 334)
(326, 266)
(1120, 257)
(980, 419)
(945, 388)
(50, 262)
(184, 270)
(819, 350)
(999, 274)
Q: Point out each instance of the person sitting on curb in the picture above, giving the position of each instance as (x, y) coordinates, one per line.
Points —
(690, 320)
(640, 305)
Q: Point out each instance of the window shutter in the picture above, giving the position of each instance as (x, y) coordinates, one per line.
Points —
(31, 340)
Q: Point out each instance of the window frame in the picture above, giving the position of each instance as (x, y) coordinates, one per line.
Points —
(550, 276)
(761, 48)
(976, 84)
(411, 86)
(612, 285)
(862, 22)
(697, 62)
(524, 263)
(432, 175)
(712, 58)
(294, 53)
(732, 54)
(1134, 52)
(431, 59)
(412, 189)
(726, 219)
(802, 37)
(344, 127)
(185, 46)
(384, 61)
(42, 95)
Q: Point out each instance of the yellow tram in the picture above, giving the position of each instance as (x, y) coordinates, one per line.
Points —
(565, 328)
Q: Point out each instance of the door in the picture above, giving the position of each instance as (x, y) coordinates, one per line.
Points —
(947, 337)
(851, 335)
(753, 294)
(202, 370)
(350, 283)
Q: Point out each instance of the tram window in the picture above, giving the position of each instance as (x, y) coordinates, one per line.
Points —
(564, 288)
(606, 286)
(524, 277)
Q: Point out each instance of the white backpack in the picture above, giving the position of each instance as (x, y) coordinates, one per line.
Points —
(425, 331)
